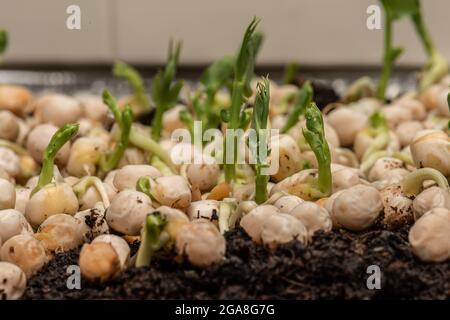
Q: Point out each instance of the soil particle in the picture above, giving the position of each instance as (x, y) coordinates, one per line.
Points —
(324, 93)
(334, 265)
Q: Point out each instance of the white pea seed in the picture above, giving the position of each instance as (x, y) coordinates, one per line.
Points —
(430, 236)
(13, 281)
(26, 252)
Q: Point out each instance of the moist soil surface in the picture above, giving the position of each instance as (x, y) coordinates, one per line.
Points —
(333, 266)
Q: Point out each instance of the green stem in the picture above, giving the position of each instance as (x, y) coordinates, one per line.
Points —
(148, 144)
(314, 134)
(161, 166)
(111, 102)
(133, 77)
(235, 115)
(413, 182)
(143, 185)
(325, 177)
(387, 63)
(186, 118)
(261, 181)
(305, 96)
(58, 140)
(157, 124)
(423, 34)
(152, 239)
(85, 183)
(108, 163)
(437, 65)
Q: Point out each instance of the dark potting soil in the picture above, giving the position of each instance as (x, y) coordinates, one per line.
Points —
(333, 266)
(324, 93)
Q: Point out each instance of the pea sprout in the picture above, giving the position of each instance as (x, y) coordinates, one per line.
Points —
(134, 137)
(259, 124)
(378, 130)
(124, 120)
(436, 67)
(314, 134)
(304, 98)
(164, 91)
(59, 139)
(81, 187)
(243, 72)
(143, 185)
(205, 107)
(130, 74)
(153, 238)
(412, 183)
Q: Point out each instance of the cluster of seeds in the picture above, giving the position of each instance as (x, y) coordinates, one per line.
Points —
(81, 171)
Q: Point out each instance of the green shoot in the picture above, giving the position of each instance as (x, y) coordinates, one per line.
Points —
(259, 125)
(124, 120)
(243, 71)
(304, 98)
(143, 185)
(394, 9)
(378, 129)
(290, 71)
(161, 166)
(413, 182)
(123, 70)
(164, 91)
(436, 67)
(135, 137)
(187, 119)
(256, 40)
(81, 187)
(59, 139)
(216, 76)
(315, 136)
(152, 238)
(213, 78)
(148, 144)
(3, 40)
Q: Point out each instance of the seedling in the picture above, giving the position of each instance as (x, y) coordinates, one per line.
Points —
(124, 120)
(304, 98)
(259, 125)
(243, 72)
(314, 134)
(153, 238)
(122, 70)
(134, 137)
(436, 67)
(379, 131)
(60, 138)
(164, 91)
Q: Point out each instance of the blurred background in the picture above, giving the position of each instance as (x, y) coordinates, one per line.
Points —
(311, 32)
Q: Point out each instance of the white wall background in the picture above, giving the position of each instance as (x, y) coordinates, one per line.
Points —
(312, 32)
